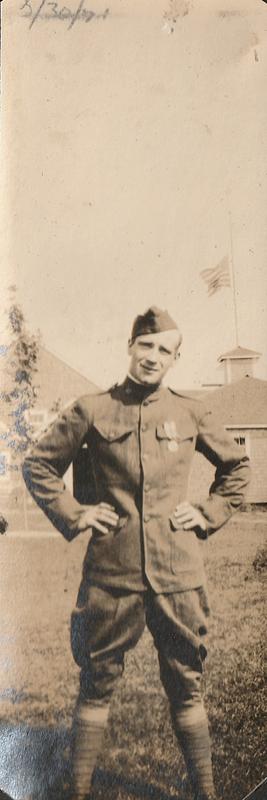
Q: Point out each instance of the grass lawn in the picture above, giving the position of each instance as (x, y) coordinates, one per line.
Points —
(140, 759)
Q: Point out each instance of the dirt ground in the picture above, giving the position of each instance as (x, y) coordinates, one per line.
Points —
(39, 681)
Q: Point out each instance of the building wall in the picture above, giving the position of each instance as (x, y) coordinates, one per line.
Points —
(239, 368)
(257, 492)
(59, 384)
(255, 441)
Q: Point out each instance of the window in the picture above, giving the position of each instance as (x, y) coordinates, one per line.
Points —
(240, 440)
(243, 439)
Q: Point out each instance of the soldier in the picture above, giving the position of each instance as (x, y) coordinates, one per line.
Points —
(143, 564)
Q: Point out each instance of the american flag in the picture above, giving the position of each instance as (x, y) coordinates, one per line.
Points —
(217, 277)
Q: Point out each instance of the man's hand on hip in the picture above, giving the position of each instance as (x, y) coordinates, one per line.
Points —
(187, 517)
(101, 516)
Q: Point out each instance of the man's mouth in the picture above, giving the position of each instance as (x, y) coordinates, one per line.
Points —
(149, 369)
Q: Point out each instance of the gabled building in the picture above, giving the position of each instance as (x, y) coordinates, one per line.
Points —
(58, 384)
(241, 405)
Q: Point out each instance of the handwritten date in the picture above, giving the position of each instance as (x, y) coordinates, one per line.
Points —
(53, 10)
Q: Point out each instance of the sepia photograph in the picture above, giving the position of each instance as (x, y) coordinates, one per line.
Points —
(133, 399)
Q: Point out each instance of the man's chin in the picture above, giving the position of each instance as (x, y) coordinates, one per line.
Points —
(150, 379)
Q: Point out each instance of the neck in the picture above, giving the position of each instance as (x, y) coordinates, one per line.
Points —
(146, 386)
(135, 380)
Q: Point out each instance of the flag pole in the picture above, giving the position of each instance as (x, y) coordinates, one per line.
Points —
(233, 280)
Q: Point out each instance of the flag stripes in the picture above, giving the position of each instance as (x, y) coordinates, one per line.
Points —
(217, 277)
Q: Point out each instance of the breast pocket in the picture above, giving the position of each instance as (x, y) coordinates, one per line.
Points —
(176, 448)
(115, 451)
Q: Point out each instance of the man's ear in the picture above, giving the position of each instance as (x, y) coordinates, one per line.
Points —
(130, 343)
(177, 355)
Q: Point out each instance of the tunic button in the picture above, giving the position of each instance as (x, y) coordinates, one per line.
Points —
(143, 427)
(146, 402)
(146, 518)
(147, 487)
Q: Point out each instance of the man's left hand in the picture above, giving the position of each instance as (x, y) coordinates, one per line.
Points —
(187, 517)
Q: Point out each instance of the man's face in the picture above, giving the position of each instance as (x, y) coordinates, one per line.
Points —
(152, 355)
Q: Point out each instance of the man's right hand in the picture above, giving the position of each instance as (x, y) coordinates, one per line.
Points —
(98, 517)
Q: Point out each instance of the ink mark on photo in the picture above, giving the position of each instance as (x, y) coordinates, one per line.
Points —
(47, 10)
(177, 8)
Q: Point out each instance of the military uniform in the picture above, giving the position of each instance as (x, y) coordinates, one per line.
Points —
(141, 441)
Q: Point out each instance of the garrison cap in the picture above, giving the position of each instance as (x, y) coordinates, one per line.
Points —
(154, 320)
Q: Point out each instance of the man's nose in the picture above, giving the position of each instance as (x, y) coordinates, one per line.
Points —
(152, 357)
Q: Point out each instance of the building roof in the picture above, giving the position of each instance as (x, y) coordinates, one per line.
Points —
(243, 402)
(58, 380)
(239, 352)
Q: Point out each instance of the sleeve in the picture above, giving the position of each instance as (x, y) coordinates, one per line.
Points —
(232, 474)
(48, 460)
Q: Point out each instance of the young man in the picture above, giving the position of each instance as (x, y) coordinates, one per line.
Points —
(143, 564)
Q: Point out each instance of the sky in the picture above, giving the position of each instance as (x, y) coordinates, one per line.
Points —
(134, 158)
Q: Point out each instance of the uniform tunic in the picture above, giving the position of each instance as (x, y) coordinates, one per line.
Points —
(141, 441)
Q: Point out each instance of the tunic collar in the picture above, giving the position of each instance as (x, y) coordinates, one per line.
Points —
(140, 392)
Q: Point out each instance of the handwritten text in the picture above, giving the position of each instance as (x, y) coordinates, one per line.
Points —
(50, 10)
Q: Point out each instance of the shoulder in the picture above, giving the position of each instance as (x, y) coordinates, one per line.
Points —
(87, 405)
(195, 406)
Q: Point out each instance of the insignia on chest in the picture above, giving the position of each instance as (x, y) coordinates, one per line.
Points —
(172, 445)
(171, 433)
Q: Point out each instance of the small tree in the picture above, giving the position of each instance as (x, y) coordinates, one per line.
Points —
(20, 389)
